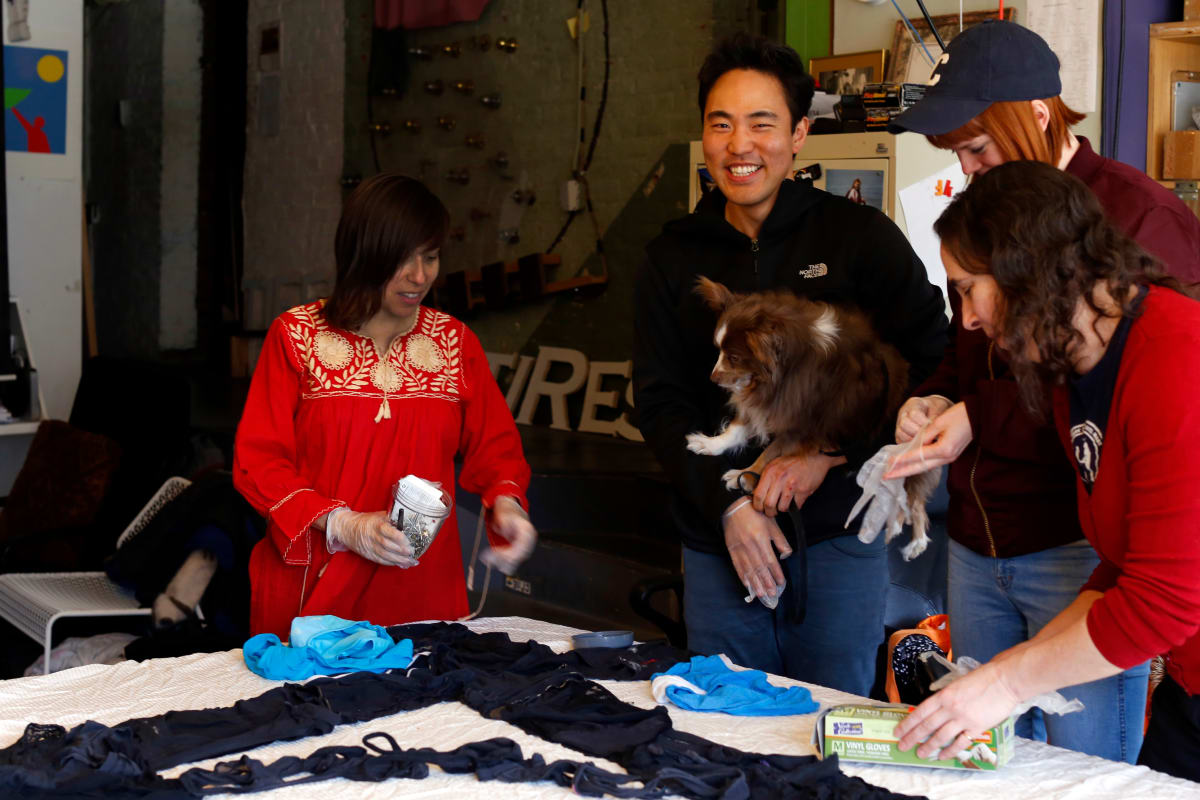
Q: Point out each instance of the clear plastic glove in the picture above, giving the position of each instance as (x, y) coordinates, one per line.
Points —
(752, 539)
(1050, 702)
(885, 500)
(511, 522)
(369, 534)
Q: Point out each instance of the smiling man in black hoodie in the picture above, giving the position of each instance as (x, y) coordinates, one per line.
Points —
(759, 229)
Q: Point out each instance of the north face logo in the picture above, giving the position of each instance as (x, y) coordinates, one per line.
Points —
(814, 270)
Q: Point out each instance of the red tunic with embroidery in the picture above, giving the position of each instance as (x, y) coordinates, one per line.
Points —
(329, 422)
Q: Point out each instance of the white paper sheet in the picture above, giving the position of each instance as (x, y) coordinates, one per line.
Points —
(923, 202)
(1072, 29)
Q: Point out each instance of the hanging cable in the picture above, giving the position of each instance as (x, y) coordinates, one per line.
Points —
(915, 35)
(581, 173)
(929, 21)
(580, 88)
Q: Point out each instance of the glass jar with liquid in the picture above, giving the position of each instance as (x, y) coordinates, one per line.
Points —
(1189, 193)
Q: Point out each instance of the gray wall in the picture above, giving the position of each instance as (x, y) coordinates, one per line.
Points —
(123, 171)
(292, 196)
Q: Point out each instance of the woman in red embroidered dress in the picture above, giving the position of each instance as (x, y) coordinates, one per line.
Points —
(351, 394)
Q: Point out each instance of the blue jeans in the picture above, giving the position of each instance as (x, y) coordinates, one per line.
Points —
(996, 603)
(837, 643)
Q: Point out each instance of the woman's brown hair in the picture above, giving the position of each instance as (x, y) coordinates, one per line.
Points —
(1043, 236)
(384, 221)
(1015, 130)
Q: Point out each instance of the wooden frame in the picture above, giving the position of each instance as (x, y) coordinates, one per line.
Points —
(1173, 46)
(850, 71)
(906, 54)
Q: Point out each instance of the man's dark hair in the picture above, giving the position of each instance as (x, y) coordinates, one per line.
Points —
(385, 220)
(743, 51)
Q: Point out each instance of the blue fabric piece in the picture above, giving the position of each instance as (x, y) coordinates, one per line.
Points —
(326, 645)
(744, 693)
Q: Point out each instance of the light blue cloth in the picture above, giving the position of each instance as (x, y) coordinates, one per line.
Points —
(745, 693)
(326, 645)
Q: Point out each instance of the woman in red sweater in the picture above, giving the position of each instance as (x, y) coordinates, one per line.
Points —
(353, 393)
(1076, 303)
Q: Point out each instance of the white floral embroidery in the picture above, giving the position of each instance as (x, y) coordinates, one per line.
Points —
(424, 363)
(333, 350)
(385, 377)
(423, 354)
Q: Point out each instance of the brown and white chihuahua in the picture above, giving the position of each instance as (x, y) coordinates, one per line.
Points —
(804, 377)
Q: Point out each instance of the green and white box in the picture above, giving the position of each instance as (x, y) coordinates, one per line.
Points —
(866, 732)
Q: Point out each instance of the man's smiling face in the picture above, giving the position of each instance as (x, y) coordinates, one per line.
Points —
(750, 139)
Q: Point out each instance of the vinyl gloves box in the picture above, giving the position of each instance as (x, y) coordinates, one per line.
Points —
(865, 733)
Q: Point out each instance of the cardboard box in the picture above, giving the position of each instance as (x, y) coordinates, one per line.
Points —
(1181, 155)
(865, 733)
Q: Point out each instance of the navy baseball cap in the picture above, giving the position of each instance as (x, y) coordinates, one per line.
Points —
(993, 61)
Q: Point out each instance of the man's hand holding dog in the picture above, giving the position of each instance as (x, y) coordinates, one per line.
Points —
(750, 535)
(942, 440)
(789, 479)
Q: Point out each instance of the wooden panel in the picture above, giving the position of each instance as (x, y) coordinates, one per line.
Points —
(1176, 49)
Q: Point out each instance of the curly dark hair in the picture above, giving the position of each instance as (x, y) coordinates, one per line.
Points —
(743, 51)
(384, 221)
(1043, 236)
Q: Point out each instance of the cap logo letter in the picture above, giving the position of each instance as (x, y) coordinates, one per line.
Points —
(937, 76)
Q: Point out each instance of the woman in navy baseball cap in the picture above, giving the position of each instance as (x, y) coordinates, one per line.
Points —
(1017, 553)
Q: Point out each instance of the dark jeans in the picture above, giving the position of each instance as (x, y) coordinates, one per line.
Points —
(1172, 743)
(836, 644)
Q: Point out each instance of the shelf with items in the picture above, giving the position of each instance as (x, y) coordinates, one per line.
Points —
(1174, 46)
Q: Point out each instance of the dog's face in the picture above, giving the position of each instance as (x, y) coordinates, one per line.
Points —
(763, 336)
(749, 351)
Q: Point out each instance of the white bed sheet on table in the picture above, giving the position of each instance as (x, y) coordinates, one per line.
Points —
(113, 694)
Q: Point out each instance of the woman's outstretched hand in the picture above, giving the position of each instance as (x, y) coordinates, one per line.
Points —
(510, 522)
(942, 441)
(371, 535)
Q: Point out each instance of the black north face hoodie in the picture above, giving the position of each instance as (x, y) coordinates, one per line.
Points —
(818, 245)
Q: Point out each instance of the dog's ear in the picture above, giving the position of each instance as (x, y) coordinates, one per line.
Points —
(715, 294)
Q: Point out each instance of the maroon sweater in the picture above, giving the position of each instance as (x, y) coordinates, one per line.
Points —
(1012, 491)
(1143, 515)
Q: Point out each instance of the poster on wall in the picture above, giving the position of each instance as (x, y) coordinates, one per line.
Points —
(923, 202)
(35, 108)
(862, 186)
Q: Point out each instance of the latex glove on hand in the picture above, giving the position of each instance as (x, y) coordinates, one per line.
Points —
(752, 539)
(369, 534)
(511, 522)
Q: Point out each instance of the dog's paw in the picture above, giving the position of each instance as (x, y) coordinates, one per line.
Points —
(739, 480)
(915, 547)
(731, 479)
(704, 445)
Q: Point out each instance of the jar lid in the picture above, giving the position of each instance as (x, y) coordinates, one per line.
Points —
(422, 496)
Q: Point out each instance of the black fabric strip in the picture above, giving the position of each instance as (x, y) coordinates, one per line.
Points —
(526, 684)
